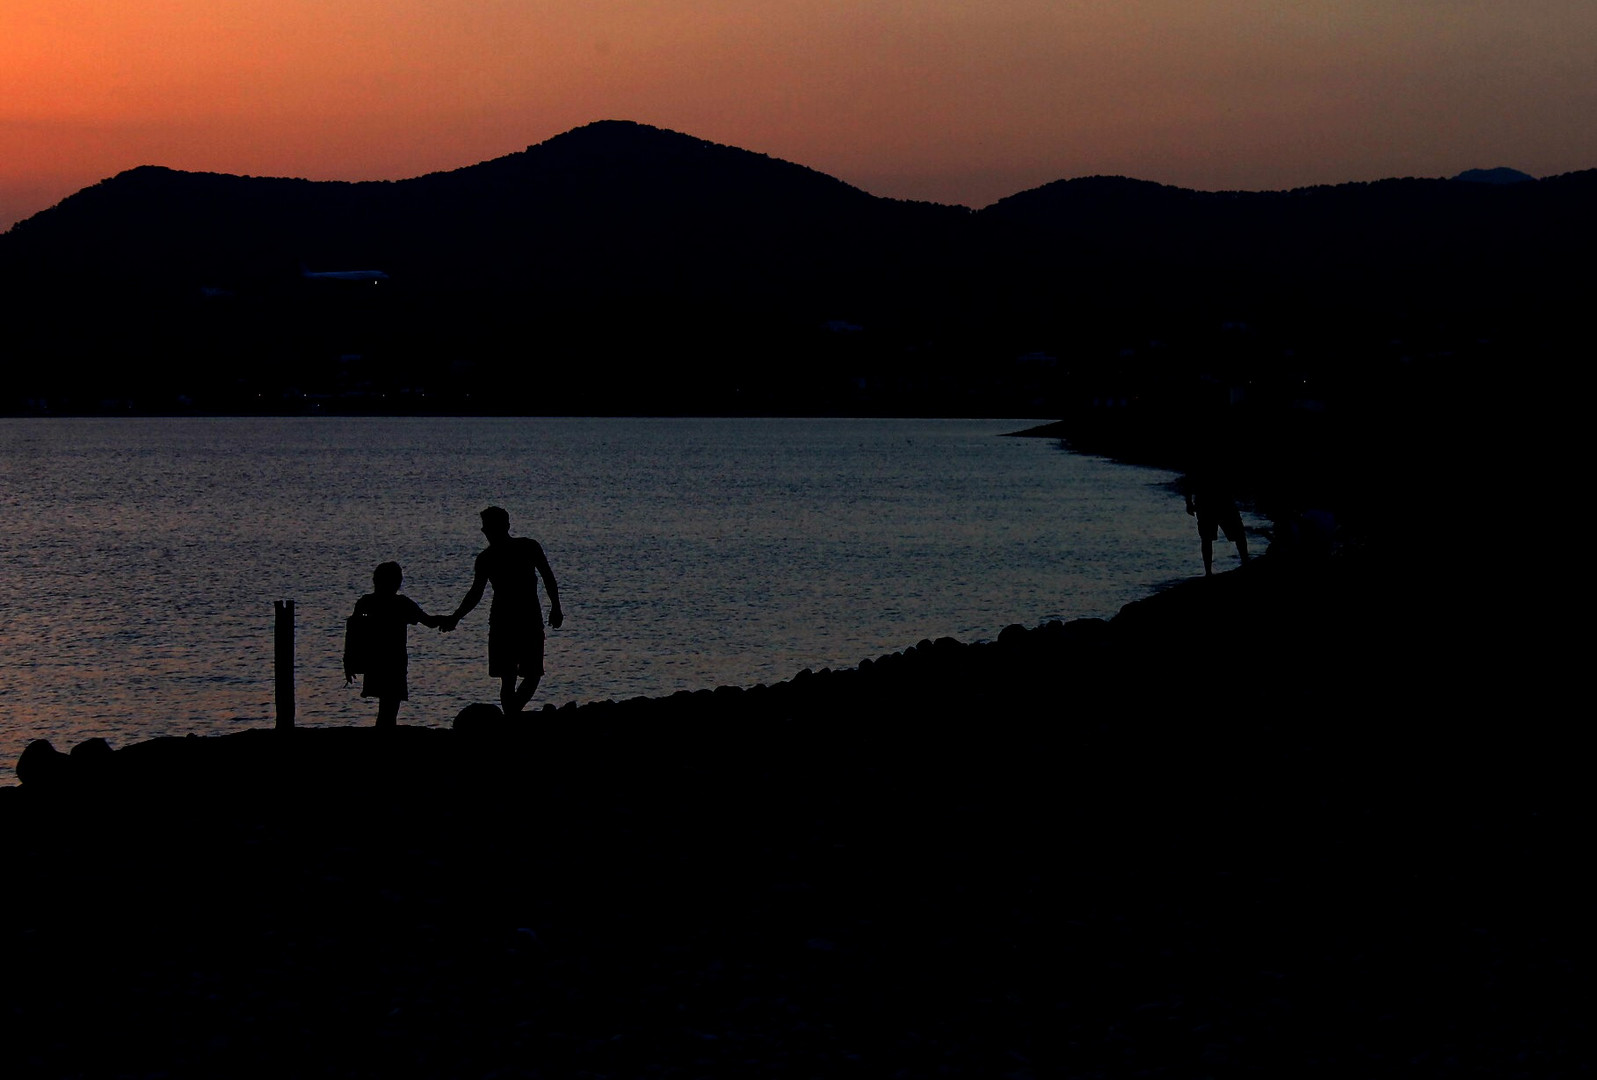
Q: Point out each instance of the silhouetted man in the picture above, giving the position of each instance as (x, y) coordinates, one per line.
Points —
(511, 564)
(1209, 497)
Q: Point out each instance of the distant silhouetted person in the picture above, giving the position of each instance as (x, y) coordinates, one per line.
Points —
(1210, 497)
(374, 643)
(512, 564)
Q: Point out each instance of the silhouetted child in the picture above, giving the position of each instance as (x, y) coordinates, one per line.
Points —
(374, 641)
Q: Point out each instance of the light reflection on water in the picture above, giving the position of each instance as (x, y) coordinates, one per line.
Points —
(142, 556)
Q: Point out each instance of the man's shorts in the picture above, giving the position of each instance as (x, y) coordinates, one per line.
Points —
(515, 651)
(1211, 520)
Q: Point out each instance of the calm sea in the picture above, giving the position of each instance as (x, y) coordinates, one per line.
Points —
(142, 556)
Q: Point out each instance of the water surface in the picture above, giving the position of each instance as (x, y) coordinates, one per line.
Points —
(142, 556)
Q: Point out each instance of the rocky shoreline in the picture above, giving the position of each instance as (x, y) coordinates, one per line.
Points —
(1243, 828)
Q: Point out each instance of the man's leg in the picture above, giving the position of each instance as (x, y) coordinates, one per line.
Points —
(507, 694)
(1235, 533)
(1208, 558)
(531, 666)
(529, 686)
(387, 712)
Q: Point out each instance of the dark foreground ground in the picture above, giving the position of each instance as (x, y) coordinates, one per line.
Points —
(1295, 821)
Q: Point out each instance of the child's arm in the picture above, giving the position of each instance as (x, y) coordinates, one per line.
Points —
(414, 614)
(359, 612)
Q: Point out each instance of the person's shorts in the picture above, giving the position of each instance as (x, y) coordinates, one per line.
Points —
(1211, 522)
(515, 651)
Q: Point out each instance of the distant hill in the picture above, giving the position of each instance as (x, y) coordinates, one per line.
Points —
(612, 202)
(1388, 246)
(620, 267)
(1499, 175)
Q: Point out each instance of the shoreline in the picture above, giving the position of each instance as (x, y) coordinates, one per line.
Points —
(1121, 842)
(206, 664)
(1010, 661)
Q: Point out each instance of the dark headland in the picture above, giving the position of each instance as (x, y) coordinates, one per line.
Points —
(1306, 818)
(619, 269)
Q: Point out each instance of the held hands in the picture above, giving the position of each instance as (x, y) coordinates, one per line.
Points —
(449, 622)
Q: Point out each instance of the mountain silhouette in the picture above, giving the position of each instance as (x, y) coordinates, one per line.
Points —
(1499, 175)
(537, 216)
(621, 267)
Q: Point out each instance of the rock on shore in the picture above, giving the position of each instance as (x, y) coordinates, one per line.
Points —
(1244, 827)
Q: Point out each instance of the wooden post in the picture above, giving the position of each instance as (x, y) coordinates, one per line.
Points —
(285, 664)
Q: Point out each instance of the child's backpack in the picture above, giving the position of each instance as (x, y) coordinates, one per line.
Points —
(360, 634)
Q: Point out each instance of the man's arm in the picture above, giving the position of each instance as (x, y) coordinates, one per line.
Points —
(470, 600)
(556, 616)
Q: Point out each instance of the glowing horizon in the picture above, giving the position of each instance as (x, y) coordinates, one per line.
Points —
(938, 100)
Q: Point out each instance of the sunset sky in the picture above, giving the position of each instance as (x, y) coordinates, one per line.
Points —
(960, 101)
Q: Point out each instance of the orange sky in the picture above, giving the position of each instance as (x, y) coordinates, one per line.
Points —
(962, 101)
